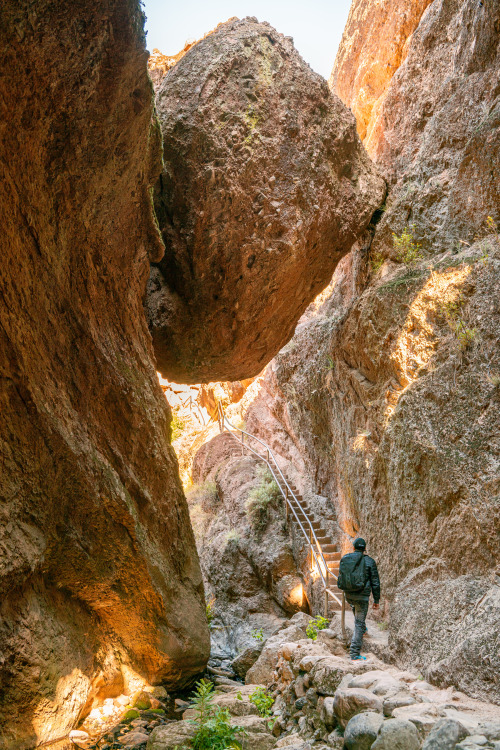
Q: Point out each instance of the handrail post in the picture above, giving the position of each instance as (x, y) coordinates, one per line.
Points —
(342, 619)
(326, 592)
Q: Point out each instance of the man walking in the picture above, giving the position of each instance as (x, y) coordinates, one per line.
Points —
(358, 578)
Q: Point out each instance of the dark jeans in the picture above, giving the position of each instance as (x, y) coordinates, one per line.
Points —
(360, 609)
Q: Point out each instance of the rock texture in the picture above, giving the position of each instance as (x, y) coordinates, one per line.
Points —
(374, 45)
(99, 578)
(250, 571)
(265, 187)
(386, 399)
(433, 128)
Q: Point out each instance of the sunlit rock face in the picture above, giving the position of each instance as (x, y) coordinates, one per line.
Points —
(423, 80)
(265, 187)
(99, 576)
(389, 394)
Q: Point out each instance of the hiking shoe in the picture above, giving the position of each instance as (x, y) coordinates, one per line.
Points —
(358, 658)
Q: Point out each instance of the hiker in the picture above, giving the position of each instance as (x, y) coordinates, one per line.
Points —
(358, 577)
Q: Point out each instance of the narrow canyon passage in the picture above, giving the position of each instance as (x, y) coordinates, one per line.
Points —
(230, 241)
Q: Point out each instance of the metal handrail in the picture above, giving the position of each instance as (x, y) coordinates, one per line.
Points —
(223, 421)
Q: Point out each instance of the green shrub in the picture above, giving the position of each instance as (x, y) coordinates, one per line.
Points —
(177, 426)
(214, 730)
(408, 251)
(319, 623)
(205, 495)
(265, 495)
(264, 702)
(258, 634)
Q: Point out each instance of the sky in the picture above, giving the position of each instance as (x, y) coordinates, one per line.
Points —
(315, 25)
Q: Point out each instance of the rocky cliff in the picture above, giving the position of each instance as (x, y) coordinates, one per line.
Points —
(265, 187)
(99, 577)
(386, 400)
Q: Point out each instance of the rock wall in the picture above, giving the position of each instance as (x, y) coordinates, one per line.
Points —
(250, 569)
(99, 576)
(387, 397)
(265, 187)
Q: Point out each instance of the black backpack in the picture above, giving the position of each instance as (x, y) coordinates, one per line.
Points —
(353, 573)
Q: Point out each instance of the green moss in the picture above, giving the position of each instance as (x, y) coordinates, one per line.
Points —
(132, 713)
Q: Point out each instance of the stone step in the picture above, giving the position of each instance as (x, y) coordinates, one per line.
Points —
(329, 548)
(332, 556)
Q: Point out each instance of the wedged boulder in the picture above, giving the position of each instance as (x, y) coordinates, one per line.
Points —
(396, 734)
(351, 701)
(266, 186)
(361, 731)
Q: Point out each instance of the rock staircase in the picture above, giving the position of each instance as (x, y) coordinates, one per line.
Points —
(325, 554)
(330, 550)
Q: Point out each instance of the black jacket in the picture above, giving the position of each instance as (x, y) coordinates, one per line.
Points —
(372, 583)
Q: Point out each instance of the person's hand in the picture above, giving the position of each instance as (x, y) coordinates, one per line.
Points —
(376, 605)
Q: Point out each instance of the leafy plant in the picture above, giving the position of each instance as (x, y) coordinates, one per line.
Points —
(464, 334)
(376, 262)
(258, 634)
(264, 495)
(177, 425)
(233, 536)
(209, 610)
(319, 623)
(408, 251)
(214, 730)
(264, 702)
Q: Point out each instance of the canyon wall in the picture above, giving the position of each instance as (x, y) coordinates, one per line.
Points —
(387, 398)
(265, 187)
(99, 578)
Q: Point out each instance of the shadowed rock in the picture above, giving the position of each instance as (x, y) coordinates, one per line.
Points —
(265, 187)
(99, 577)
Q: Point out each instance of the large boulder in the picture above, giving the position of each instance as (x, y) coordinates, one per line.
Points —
(99, 575)
(361, 731)
(265, 187)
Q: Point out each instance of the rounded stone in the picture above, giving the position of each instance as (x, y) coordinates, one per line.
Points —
(361, 731)
(397, 734)
(351, 701)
